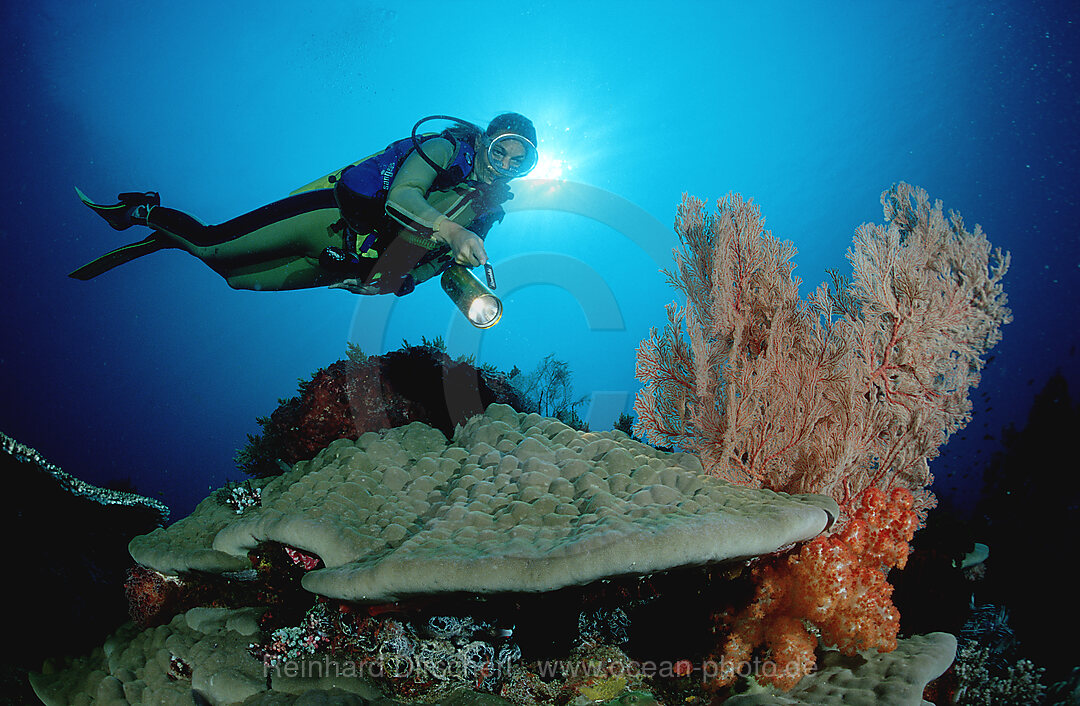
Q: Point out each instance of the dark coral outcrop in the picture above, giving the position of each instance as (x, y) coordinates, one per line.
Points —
(362, 394)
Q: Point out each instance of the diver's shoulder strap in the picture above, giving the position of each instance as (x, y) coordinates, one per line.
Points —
(461, 164)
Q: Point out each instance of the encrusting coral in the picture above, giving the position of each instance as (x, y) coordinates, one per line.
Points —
(206, 649)
(882, 679)
(857, 386)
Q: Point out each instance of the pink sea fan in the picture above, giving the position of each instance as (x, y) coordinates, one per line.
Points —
(856, 386)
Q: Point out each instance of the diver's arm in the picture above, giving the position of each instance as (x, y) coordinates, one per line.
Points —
(406, 204)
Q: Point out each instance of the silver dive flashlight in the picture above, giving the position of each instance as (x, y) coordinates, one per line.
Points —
(480, 306)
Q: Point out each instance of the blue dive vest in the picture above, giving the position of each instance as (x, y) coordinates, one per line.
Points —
(372, 177)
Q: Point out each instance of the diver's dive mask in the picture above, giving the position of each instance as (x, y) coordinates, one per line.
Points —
(511, 155)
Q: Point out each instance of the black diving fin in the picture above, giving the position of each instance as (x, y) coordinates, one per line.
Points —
(119, 216)
(115, 258)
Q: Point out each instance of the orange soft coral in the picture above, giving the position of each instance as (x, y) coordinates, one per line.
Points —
(836, 583)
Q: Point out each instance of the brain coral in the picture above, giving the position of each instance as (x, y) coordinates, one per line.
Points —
(514, 502)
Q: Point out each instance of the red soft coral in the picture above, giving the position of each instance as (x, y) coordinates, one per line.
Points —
(836, 583)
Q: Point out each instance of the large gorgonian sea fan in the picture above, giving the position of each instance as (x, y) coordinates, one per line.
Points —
(859, 385)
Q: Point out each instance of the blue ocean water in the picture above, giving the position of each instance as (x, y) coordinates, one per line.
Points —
(157, 370)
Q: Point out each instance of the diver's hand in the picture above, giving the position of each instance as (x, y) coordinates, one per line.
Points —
(467, 246)
(355, 286)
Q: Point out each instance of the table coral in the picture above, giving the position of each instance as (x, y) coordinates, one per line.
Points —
(515, 502)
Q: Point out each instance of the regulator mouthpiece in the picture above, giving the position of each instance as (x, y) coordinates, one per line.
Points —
(480, 306)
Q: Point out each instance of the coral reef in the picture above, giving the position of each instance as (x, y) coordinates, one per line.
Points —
(987, 630)
(988, 668)
(362, 394)
(207, 650)
(883, 679)
(857, 386)
(271, 581)
(204, 649)
(554, 607)
(599, 673)
(835, 583)
(428, 659)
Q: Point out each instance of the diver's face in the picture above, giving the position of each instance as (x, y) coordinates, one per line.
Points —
(508, 156)
(503, 158)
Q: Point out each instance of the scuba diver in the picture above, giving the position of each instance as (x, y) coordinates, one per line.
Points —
(421, 207)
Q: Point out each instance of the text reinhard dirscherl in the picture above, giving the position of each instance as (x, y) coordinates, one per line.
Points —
(403, 667)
